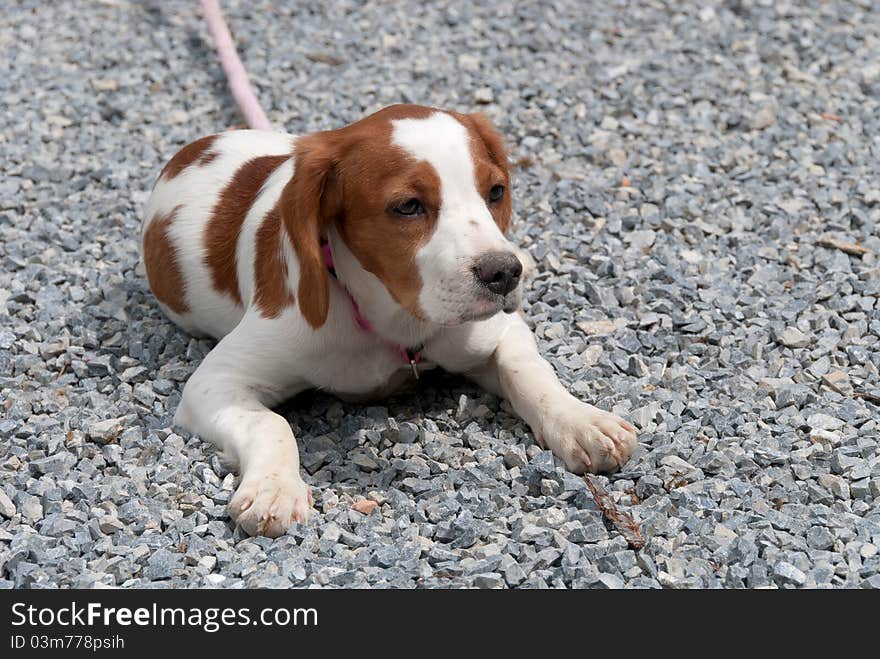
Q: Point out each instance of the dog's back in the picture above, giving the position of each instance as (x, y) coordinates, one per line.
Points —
(205, 222)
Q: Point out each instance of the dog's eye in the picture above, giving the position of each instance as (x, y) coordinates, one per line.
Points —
(410, 208)
(496, 193)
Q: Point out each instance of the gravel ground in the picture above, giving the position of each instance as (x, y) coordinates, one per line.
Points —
(691, 180)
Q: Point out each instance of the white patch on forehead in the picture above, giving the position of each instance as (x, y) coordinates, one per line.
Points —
(465, 228)
(443, 142)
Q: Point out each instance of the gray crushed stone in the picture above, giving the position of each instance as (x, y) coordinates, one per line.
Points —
(681, 169)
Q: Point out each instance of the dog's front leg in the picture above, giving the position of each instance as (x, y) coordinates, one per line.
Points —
(222, 402)
(585, 437)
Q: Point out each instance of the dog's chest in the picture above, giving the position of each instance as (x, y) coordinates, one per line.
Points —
(369, 370)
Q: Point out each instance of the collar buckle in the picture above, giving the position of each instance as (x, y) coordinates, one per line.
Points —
(414, 356)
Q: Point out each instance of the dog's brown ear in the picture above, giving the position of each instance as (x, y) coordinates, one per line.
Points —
(494, 144)
(305, 214)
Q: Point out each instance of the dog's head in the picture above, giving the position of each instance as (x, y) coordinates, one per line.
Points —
(421, 198)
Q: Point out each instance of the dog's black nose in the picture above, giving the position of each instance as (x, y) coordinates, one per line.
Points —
(498, 271)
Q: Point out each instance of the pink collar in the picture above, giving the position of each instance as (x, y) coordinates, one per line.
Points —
(411, 356)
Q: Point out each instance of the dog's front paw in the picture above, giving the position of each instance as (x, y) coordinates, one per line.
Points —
(587, 438)
(268, 503)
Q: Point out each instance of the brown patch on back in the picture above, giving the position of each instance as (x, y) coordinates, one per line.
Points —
(187, 156)
(163, 270)
(208, 157)
(223, 228)
(271, 293)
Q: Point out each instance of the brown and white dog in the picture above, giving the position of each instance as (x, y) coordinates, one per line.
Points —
(338, 260)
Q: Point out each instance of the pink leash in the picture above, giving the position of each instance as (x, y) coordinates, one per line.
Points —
(239, 84)
(247, 102)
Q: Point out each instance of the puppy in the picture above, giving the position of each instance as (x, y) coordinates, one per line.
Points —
(348, 260)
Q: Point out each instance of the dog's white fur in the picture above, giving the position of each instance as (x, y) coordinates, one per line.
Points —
(261, 361)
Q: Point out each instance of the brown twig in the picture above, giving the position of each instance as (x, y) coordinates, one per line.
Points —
(324, 58)
(622, 521)
(446, 574)
(854, 249)
(864, 395)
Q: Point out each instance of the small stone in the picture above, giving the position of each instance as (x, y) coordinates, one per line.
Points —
(100, 366)
(792, 337)
(489, 580)
(313, 460)
(835, 484)
(405, 433)
(860, 489)
(364, 461)
(110, 525)
(162, 386)
(514, 456)
(331, 532)
(484, 96)
(162, 564)
(178, 116)
(602, 297)
(643, 416)
(818, 537)
(59, 463)
(551, 517)
(789, 574)
(824, 422)
(514, 575)
(637, 367)
(724, 533)
(469, 62)
(870, 72)
(351, 540)
(7, 508)
(29, 506)
(7, 339)
(8, 427)
(591, 355)
(682, 467)
(792, 394)
(596, 327)
(842, 463)
(134, 374)
(641, 239)
(617, 157)
(106, 431)
(104, 84)
(550, 487)
(364, 506)
(588, 533)
(609, 581)
(839, 382)
(825, 436)
(763, 118)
